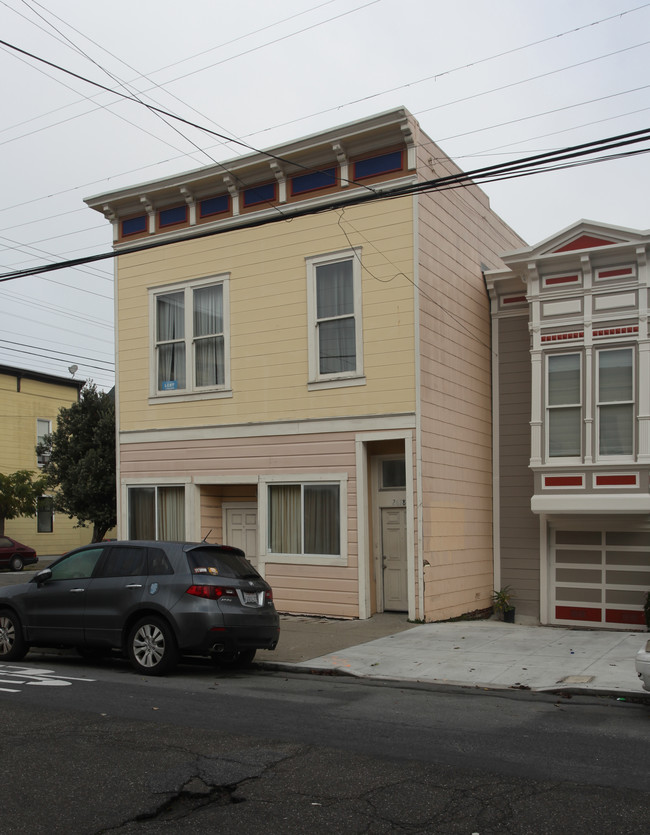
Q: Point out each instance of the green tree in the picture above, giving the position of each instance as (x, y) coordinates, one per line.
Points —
(19, 495)
(80, 456)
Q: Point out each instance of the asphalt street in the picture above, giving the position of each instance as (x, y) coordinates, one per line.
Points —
(95, 748)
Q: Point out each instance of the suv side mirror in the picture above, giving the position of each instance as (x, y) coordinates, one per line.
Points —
(42, 576)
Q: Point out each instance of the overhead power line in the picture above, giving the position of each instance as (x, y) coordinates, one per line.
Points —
(161, 111)
(66, 354)
(443, 73)
(582, 154)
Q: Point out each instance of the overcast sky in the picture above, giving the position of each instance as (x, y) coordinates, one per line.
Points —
(489, 82)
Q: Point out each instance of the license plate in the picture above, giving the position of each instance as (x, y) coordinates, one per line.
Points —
(250, 598)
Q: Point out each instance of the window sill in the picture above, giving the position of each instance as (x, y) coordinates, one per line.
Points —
(336, 382)
(302, 559)
(188, 396)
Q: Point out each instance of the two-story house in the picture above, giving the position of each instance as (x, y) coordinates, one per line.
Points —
(572, 426)
(304, 368)
(29, 406)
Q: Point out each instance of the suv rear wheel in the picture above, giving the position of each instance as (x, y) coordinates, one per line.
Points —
(12, 643)
(152, 647)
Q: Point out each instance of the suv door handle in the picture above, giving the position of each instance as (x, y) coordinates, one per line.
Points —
(76, 591)
(133, 586)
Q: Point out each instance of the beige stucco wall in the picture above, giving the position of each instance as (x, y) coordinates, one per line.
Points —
(268, 319)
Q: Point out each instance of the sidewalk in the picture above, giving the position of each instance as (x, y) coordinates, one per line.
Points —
(486, 654)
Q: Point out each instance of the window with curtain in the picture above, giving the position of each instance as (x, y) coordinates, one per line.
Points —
(157, 513)
(335, 318)
(564, 406)
(208, 336)
(304, 519)
(170, 341)
(334, 294)
(191, 339)
(616, 402)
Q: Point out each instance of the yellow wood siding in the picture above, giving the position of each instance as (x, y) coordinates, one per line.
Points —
(268, 319)
(19, 412)
(458, 233)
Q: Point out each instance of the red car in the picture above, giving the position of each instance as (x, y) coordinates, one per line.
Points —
(14, 555)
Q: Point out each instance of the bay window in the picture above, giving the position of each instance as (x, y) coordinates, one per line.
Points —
(564, 406)
(191, 344)
(615, 402)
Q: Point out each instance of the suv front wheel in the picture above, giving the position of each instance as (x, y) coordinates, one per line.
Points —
(152, 647)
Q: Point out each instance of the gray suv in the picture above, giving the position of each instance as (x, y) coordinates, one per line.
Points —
(154, 601)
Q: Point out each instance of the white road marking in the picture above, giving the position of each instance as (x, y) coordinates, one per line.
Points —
(34, 678)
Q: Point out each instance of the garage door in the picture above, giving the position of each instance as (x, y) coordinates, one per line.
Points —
(599, 577)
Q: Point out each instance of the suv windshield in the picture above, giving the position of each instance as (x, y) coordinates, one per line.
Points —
(222, 563)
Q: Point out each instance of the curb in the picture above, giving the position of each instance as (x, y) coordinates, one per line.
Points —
(632, 696)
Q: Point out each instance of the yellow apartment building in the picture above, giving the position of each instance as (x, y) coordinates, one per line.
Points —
(29, 405)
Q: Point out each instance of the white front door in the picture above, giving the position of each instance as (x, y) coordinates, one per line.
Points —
(240, 528)
(393, 554)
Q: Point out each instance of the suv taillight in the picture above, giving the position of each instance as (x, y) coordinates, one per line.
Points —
(268, 596)
(212, 592)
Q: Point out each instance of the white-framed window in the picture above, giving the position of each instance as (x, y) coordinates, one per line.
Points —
(156, 512)
(45, 514)
(335, 322)
(615, 401)
(564, 405)
(303, 519)
(43, 428)
(190, 336)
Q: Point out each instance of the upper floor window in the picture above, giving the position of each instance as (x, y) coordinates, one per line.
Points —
(564, 406)
(609, 393)
(133, 226)
(334, 304)
(191, 337)
(43, 428)
(45, 514)
(616, 402)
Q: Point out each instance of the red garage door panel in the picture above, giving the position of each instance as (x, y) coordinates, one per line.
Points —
(577, 613)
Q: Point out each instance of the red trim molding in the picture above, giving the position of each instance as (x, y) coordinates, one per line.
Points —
(560, 337)
(617, 331)
(584, 242)
(617, 480)
(564, 481)
(561, 279)
(615, 273)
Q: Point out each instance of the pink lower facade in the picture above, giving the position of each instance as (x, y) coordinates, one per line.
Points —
(243, 489)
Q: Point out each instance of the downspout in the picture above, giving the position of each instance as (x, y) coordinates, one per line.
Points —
(496, 481)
